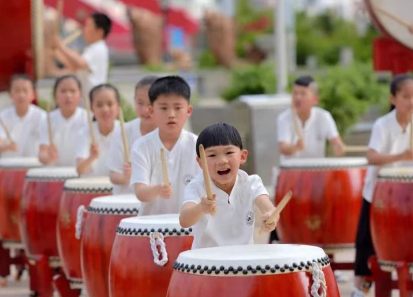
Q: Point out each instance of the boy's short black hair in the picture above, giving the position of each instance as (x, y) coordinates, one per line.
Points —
(146, 81)
(219, 134)
(102, 21)
(22, 77)
(169, 85)
(307, 81)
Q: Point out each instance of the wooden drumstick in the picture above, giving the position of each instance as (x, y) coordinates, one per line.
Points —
(89, 119)
(392, 16)
(72, 37)
(124, 138)
(164, 168)
(280, 207)
(207, 180)
(355, 148)
(49, 123)
(296, 123)
(59, 8)
(6, 131)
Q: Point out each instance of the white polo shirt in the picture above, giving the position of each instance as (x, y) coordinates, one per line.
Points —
(147, 169)
(319, 127)
(116, 157)
(23, 130)
(65, 132)
(387, 137)
(97, 57)
(233, 223)
(84, 142)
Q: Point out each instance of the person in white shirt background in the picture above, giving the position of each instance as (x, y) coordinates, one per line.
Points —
(120, 170)
(22, 120)
(227, 219)
(66, 121)
(388, 146)
(170, 107)
(91, 157)
(93, 65)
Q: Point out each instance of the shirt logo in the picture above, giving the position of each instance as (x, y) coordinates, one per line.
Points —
(187, 178)
(249, 218)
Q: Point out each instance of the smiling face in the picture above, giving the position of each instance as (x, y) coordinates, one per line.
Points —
(223, 164)
(170, 113)
(105, 107)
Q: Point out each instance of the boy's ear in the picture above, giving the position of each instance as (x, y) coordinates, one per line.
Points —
(190, 108)
(150, 110)
(244, 155)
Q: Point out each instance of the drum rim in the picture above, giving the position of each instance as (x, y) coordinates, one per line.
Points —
(51, 173)
(319, 163)
(406, 173)
(226, 266)
(96, 184)
(14, 163)
(115, 204)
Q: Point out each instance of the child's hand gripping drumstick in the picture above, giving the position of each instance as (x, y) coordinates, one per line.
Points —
(296, 124)
(207, 179)
(124, 138)
(279, 208)
(89, 119)
(166, 190)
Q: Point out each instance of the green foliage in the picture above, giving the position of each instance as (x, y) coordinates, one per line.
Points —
(348, 93)
(250, 80)
(206, 60)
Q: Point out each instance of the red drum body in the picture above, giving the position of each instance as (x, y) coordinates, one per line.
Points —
(12, 174)
(76, 193)
(253, 271)
(391, 217)
(133, 271)
(99, 230)
(39, 209)
(327, 196)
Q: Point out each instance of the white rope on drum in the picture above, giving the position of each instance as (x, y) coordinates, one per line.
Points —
(319, 281)
(156, 239)
(79, 221)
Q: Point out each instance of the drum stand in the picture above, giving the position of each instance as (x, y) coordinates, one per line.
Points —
(6, 260)
(44, 278)
(384, 283)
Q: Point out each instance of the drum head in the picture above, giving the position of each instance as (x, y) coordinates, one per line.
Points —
(246, 259)
(92, 184)
(20, 163)
(396, 173)
(401, 9)
(167, 224)
(117, 204)
(52, 173)
(323, 163)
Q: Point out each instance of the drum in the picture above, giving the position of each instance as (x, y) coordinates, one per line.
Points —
(39, 209)
(391, 217)
(22, 53)
(143, 254)
(326, 202)
(98, 233)
(77, 193)
(12, 174)
(253, 271)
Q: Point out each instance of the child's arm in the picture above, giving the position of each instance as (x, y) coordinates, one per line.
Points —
(85, 165)
(337, 145)
(378, 159)
(48, 154)
(147, 193)
(192, 212)
(70, 56)
(121, 178)
(8, 147)
(267, 208)
(290, 149)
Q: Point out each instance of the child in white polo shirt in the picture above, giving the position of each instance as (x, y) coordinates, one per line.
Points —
(316, 125)
(22, 120)
(228, 219)
(66, 121)
(91, 157)
(170, 108)
(389, 145)
(120, 170)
